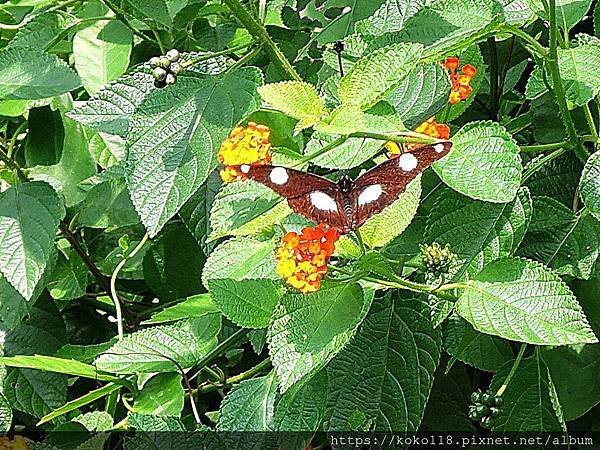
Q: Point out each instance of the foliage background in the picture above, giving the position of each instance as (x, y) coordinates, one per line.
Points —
(109, 184)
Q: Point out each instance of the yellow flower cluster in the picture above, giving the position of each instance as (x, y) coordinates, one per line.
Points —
(18, 443)
(245, 145)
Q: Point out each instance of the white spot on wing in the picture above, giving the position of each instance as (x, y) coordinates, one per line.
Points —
(439, 148)
(278, 175)
(407, 162)
(370, 194)
(245, 168)
(323, 201)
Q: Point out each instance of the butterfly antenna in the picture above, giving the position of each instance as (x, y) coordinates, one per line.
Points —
(338, 46)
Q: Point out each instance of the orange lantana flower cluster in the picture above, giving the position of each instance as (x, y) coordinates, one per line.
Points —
(461, 82)
(430, 127)
(18, 443)
(302, 258)
(245, 145)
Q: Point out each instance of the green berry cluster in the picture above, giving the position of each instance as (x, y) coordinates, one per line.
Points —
(436, 259)
(165, 68)
(485, 408)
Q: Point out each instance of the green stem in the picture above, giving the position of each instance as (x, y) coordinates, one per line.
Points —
(159, 41)
(590, 121)
(494, 77)
(590, 138)
(339, 141)
(113, 282)
(235, 379)
(13, 139)
(558, 89)
(245, 59)
(542, 147)
(259, 32)
(361, 243)
(220, 349)
(537, 165)
(408, 138)
(206, 57)
(535, 49)
(512, 370)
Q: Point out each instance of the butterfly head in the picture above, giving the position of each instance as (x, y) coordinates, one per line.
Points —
(345, 184)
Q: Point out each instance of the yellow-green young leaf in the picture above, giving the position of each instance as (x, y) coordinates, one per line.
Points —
(590, 185)
(56, 365)
(528, 402)
(374, 76)
(297, 99)
(194, 306)
(29, 218)
(153, 349)
(380, 229)
(345, 119)
(385, 374)
(484, 163)
(504, 300)
(307, 330)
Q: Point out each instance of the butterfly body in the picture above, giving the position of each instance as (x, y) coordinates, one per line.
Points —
(346, 204)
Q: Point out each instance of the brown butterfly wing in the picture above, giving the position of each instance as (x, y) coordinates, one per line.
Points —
(379, 187)
(316, 198)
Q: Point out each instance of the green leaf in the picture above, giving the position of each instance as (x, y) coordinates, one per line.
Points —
(558, 179)
(148, 10)
(173, 263)
(195, 212)
(389, 18)
(240, 259)
(107, 149)
(69, 278)
(107, 203)
(503, 300)
(95, 420)
(154, 423)
(56, 365)
(6, 415)
(374, 76)
(84, 353)
(162, 395)
(152, 349)
(29, 218)
(589, 186)
(308, 330)
(29, 74)
(164, 168)
(75, 165)
(32, 391)
(249, 406)
(245, 208)
(579, 73)
(81, 401)
(301, 410)
(345, 119)
(479, 350)
(478, 232)
(351, 153)
(527, 403)
(568, 12)
(247, 303)
(41, 30)
(444, 24)
(297, 99)
(110, 110)
(194, 306)
(567, 242)
(574, 370)
(483, 164)
(421, 94)
(517, 12)
(381, 228)
(101, 52)
(392, 358)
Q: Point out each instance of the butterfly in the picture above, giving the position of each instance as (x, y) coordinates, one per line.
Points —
(348, 203)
